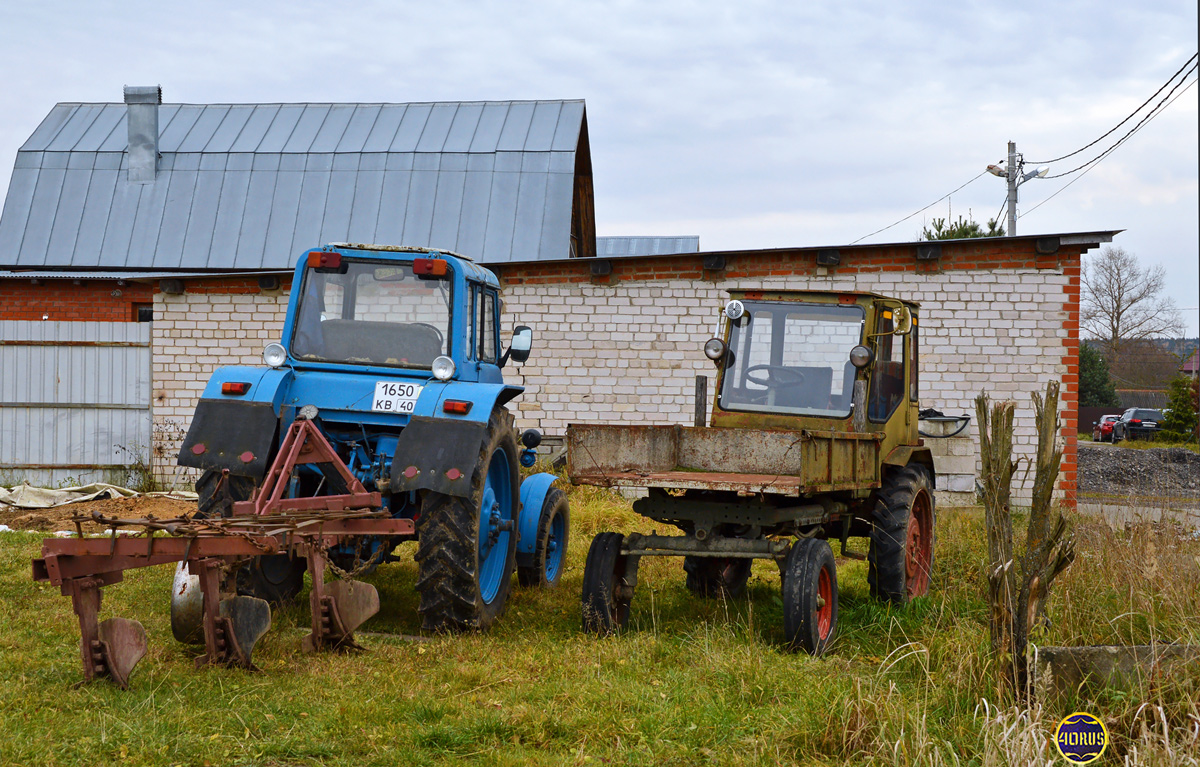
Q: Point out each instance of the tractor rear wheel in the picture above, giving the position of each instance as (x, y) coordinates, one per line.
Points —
(467, 547)
(900, 558)
(277, 578)
(810, 596)
(717, 576)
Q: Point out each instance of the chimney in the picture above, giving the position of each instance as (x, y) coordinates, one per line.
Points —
(141, 104)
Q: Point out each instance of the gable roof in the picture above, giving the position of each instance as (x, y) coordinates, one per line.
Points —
(248, 186)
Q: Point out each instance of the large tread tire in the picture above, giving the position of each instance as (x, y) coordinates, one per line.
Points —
(716, 577)
(607, 592)
(277, 578)
(448, 545)
(810, 596)
(543, 572)
(894, 573)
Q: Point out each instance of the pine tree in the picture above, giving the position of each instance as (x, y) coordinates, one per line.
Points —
(1096, 388)
(1180, 422)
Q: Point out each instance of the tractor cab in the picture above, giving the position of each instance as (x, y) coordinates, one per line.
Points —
(830, 361)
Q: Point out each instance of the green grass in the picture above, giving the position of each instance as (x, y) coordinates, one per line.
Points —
(691, 682)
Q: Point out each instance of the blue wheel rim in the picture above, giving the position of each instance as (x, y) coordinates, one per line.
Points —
(495, 508)
(554, 547)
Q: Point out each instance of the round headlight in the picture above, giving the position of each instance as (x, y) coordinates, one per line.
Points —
(443, 368)
(860, 356)
(308, 412)
(275, 355)
(734, 309)
(714, 349)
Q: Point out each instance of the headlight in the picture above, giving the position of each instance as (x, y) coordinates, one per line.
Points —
(275, 355)
(443, 368)
(309, 412)
(860, 356)
(714, 349)
(734, 309)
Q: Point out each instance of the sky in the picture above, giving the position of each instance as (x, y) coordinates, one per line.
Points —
(752, 125)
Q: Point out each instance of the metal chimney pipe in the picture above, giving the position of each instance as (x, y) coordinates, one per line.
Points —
(141, 104)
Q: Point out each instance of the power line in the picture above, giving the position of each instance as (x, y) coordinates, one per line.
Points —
(922, 210)
(1158, 108)
(1127, 119)
(1096, 162)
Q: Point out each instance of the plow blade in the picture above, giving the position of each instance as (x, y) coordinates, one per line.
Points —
(123, 644)
(187, 607)
(337, 612)
(249, 618)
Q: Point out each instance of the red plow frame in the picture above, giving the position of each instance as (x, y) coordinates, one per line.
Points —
(268, 524)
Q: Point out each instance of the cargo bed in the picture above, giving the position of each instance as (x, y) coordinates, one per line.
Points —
(747, 461)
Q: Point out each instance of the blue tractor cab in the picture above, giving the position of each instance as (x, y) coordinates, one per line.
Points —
(395, 355)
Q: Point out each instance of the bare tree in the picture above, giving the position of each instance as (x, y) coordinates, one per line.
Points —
(1121, 301)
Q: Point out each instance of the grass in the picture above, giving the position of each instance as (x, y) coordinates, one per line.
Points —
(692, 682)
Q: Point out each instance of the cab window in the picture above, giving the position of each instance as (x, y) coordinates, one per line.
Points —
(887, 376)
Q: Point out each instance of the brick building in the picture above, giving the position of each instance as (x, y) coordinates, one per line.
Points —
(618, 334)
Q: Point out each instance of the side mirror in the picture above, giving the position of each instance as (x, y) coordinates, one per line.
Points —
(903, 321)
(522, 344)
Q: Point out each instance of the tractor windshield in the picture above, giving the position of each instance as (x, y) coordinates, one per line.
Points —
(792, 358)
(375, 313)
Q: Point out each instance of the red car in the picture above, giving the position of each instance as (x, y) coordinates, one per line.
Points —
(1102, 429)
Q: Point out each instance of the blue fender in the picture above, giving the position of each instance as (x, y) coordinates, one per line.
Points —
(533, 495)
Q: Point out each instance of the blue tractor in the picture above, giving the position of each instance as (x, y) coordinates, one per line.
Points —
(394, 355)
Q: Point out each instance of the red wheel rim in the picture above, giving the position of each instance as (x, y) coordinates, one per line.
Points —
(825, 608)
(919, 548)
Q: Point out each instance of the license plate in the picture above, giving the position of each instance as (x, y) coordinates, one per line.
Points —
(393, 397)
(1149, 424)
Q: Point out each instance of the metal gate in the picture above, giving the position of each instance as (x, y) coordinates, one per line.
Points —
(74, 402)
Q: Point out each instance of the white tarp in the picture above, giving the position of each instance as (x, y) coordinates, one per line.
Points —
(28, 497)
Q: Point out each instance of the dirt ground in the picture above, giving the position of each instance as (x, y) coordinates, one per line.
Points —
(59, 517)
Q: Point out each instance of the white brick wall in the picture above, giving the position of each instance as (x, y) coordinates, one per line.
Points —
(630, 351)
(193, 335)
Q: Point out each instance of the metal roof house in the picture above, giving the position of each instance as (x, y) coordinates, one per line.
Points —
(151, 187)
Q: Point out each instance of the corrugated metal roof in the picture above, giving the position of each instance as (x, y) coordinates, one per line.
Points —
(646, 246)
(247, 186)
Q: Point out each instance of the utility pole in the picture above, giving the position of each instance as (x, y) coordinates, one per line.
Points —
(1013, 174)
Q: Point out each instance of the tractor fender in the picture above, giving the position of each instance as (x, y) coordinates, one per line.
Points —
(236, 432)
(906, 454)
(533, 496)
(483, 398)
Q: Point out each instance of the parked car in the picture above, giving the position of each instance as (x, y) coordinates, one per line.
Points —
(1102, 430)
(1137, 423)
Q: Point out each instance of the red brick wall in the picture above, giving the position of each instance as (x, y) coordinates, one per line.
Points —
(65, 301)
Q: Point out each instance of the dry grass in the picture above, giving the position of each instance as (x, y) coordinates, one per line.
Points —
(692, 682)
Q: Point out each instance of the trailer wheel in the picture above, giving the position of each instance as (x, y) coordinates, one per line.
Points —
(467, 547)
(277, 578)
(717, 576)
(607, 593)
(810, 596)
(900, 558)
(550, 548)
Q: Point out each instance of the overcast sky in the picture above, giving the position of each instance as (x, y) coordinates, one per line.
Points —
(750, 124)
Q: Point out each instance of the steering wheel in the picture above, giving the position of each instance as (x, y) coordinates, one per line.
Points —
(441, 338)
(775, 375)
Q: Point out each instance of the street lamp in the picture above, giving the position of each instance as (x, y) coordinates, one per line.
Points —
(1014, 173)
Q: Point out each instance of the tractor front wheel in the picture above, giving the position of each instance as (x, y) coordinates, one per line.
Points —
(810, 596)
(550, 547)
(607, 586)
(900, 558)
(467, 547)
(277, 578)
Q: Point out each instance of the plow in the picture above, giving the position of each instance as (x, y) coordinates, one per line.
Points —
(210, 551)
